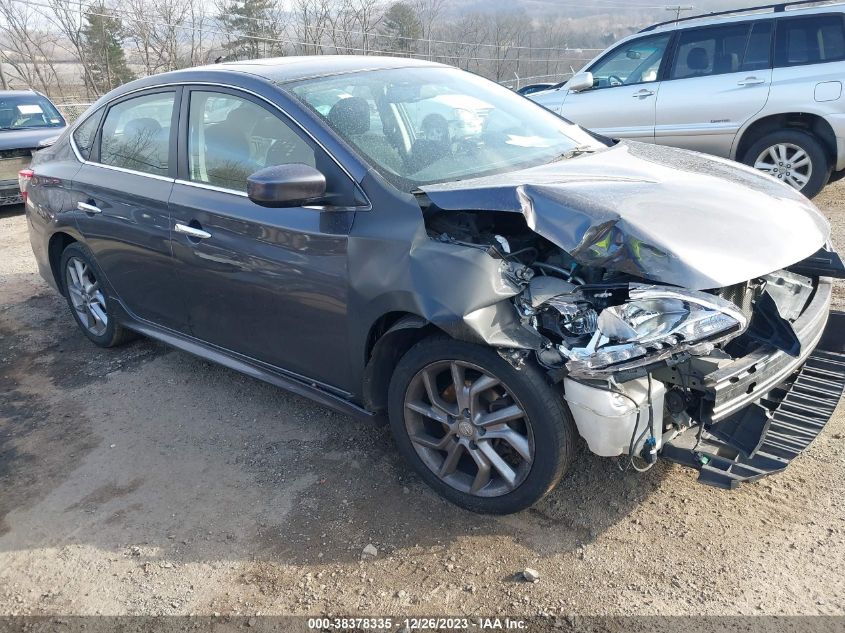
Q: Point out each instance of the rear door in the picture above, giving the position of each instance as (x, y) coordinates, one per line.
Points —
(121, 193)
(809, 64)
(622, 103)
(269, 284)
(718, 79)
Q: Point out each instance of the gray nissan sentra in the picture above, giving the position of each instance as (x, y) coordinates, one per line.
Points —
(391, 235)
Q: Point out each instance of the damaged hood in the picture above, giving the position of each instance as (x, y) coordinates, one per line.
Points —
(660, 213)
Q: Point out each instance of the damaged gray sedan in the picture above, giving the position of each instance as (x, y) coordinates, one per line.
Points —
(391, 235)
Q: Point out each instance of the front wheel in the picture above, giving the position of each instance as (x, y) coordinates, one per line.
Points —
(795, 157)
(487, 436)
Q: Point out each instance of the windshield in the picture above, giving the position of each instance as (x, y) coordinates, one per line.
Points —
(28, 111)
(418, 126)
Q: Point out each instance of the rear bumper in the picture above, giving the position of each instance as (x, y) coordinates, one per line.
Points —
(764, 437)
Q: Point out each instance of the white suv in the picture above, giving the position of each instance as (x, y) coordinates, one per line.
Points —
(762, 86)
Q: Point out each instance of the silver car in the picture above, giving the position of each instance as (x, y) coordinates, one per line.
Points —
(761, 86)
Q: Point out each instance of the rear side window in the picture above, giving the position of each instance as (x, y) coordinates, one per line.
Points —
(810, 40)
(711, 51)
(84, 135)
(136, 134)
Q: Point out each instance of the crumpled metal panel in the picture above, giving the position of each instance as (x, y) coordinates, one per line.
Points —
(462, 289)
(664, 214)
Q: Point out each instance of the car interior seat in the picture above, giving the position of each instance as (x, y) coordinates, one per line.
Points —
(143, 145)
(726, 63)
(228, 155)
(284, 146)
(698, 61)
(351, 118)
(434, 144)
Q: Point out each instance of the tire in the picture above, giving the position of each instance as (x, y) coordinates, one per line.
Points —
(535, 449)
(786, 144)
(103, 330)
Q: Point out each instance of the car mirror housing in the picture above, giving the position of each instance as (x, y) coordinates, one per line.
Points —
(581, 81)
(292, 185)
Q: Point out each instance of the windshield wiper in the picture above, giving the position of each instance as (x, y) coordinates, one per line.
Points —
(578, 151)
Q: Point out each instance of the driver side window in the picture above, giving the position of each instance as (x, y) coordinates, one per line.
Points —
(634, 62)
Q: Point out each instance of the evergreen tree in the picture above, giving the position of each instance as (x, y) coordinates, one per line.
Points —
(105, 62)
(402, 23)
(252, 28)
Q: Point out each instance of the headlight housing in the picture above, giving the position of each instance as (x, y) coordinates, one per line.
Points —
(656, 322)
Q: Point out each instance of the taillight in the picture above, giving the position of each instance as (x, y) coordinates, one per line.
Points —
(24, 176)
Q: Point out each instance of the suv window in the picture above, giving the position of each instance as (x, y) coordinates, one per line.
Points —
(710, 51)
(136, 134)
(635, 62)
(86, 132)
(810, 40)
(230, 138)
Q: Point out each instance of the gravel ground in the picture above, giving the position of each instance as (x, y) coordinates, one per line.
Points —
(142, 480)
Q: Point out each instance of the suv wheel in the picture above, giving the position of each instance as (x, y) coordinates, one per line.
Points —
(483, 434)
(86, 295)
(793, 156)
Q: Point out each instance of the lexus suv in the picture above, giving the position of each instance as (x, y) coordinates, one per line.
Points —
(395, 236)
(762, 86)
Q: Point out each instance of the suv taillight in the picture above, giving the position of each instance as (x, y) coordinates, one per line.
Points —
(24, 176)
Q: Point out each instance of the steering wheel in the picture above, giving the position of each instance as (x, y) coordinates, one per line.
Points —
(614, 78)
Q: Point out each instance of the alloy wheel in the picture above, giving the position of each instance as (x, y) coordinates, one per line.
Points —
(786, 162)
(85, 295)
(468, 428)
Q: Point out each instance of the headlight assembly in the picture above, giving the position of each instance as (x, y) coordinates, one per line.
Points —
(655, 323)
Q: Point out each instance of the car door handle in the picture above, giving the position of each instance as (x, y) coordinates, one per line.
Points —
(643, 93)
(192, 232)
(88, 208)
(751, 81)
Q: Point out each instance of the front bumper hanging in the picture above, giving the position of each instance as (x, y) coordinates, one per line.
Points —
(767, 435)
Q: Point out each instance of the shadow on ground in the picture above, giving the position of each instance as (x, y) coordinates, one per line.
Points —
(153, 453)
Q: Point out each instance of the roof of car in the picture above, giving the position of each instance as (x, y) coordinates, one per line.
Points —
(283, 69)
(19, 93)
(743, 15)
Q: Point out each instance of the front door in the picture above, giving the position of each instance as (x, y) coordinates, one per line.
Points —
(121, 195)
(268, 284)
(719, 78)
(622, 102)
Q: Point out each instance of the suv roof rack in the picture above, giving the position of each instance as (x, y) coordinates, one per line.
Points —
(780, 7)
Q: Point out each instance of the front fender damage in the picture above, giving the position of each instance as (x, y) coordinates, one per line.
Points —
(474, 287)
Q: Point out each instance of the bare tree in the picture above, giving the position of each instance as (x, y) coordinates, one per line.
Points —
(28, 48)
(428, 12)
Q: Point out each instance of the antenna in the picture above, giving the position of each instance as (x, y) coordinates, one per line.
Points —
(678, 8)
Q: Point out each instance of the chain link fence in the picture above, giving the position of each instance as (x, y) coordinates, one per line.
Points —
(72, 111)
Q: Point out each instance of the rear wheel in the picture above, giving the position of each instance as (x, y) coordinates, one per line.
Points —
(88, 298)
(795, 157)
(483, 434)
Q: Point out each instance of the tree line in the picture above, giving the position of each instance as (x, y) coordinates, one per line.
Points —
(82, 48)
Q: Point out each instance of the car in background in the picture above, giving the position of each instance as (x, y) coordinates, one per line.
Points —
(28, 122)
(532, 88)
(762, 86)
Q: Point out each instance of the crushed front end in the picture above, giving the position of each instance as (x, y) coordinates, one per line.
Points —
(735, 382)
(681, 302)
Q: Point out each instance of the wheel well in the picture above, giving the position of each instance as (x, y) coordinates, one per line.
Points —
(390, 337)
(812, 123)
(58, 243)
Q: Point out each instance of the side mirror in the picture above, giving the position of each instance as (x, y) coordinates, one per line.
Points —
(579, 82)
(292, 185)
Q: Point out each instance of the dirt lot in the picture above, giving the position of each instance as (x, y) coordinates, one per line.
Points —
(142, 480)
